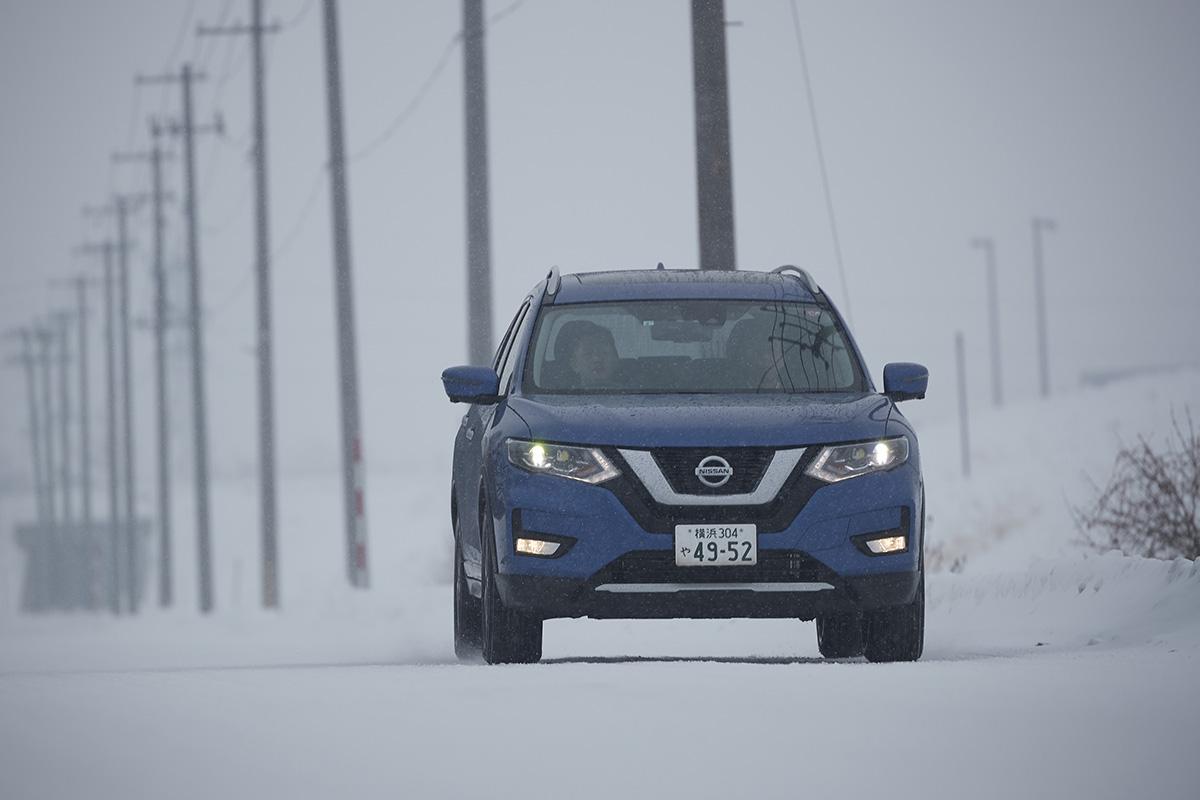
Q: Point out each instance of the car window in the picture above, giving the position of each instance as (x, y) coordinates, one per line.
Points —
(691, 346)
(514, 343)
(502, 350)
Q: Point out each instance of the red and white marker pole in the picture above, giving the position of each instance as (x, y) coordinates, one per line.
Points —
(352, 451)
(358, 530)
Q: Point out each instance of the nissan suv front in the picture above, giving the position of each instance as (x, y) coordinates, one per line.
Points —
(678, 443)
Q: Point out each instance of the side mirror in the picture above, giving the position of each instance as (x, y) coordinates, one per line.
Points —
(904, 381)
(471, 385)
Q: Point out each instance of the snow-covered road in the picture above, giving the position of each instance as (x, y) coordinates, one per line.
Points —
(1058, 725)
(1069, 680)
(1049, 671)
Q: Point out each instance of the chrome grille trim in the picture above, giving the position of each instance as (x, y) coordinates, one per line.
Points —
(648, 472)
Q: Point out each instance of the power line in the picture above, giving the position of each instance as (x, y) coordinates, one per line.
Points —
(504, 12)
(285, 243)
(812, 110)
(204, 53)
(235, 211)
(292, 234)
(413, 104)
(398, 121)
(134, 117)
(235, 59)
(181, 35)
(299, 17)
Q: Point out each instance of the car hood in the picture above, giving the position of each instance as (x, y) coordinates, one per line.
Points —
(641, 421)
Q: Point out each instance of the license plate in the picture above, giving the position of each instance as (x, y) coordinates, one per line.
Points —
(716, 545)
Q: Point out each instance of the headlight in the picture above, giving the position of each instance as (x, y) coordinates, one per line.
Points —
(585, 464)
(843, 461)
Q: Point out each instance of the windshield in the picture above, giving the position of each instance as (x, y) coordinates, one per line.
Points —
(690, 346)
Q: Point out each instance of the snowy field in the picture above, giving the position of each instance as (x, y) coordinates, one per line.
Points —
(1050, 670)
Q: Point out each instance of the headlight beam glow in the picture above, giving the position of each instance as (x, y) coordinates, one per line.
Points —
(839, 462)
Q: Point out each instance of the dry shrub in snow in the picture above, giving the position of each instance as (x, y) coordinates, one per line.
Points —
(1149, 506)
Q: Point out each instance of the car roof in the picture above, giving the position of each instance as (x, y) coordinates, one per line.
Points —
(680, 284)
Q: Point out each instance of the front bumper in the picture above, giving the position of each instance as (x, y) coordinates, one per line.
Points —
(551, 597)
(618, 566)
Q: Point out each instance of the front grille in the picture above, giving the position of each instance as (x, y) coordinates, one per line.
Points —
(655, 517)
(774, 566)
(678, 465)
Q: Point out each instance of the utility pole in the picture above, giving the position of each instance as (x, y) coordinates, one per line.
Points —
(106, 248)
(85, 435)
(155, 157)
(63, 321)
(114, 477)
(188, 129)
(988, 246)
(44, 337)
(714, 170)
(40, 572)
(964, 436)
(83, 591)
(1040, 226)
(53, 582)
(479, 236)
(268, 504)
(352, 451)
(121, 205)
(28, 360)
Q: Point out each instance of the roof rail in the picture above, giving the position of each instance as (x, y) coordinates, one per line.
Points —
(800, 273)
(552, 283)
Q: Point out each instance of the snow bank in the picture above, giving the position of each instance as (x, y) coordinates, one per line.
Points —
(1031, 462)
(1104, 601)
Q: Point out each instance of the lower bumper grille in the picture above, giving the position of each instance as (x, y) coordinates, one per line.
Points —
(658, 567)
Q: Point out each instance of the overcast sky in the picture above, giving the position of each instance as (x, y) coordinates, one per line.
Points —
(941, 121)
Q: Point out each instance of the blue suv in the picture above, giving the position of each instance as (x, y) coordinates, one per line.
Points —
(684, 443)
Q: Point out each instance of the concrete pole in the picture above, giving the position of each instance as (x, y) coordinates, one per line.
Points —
(129, 456)
(114, 479)
(1040, 226)
(165, 548)
(29, 361)
(85, 432)
(988, 246)
(479, 236)
(44, 338)
(352, 449)
(268, 502)
(53, 584)
(964, 433)
(188, 129)
(63, 320)
(196, 327)
(714, 168)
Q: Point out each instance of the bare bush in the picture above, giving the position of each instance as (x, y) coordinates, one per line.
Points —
(1149, 506)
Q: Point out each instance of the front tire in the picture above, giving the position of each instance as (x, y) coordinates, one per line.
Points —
(840, 635)
(468, 622)
(510, 635)
(896, 633)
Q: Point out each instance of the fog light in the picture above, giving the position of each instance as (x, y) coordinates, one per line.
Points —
(887, 544)
(537, 547)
